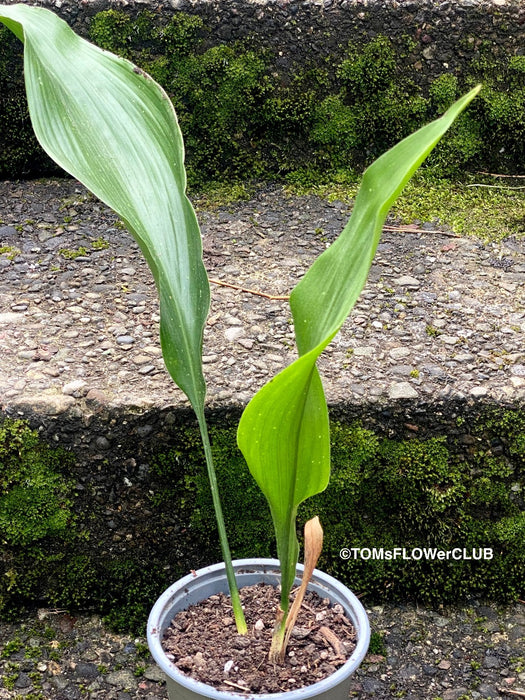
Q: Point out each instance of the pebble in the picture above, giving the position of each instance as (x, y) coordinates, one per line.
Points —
(86, 670)
(366, 351)
(77, 388)
(232, 334)
(26, 354)
(479, 391)
(407, 281)
(96, 395)
(153, 673)
(398, 353)
(402, 390)
(141, 359)
(146, 369)
(123, 678)
(449, 339)
(102, 443)
(209, 359)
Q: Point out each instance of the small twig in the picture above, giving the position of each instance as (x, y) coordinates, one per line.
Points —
(521, 601)
(512, 692)
(334, 641)
(236, 685)
(482, 172)
(346, 621)
(307, 607)
(496, 187)
(409, 229)
(272, 297)
(44, 612)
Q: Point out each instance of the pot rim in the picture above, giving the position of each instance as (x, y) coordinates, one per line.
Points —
(163, 604)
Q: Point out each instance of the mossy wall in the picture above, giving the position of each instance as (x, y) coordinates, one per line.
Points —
(273, 90)
(115, 531)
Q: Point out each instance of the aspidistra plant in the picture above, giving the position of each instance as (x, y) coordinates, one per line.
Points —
(113, 128)
(284, 430)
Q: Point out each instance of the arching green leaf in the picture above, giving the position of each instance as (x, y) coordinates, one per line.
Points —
(113, 128)
(283, 432)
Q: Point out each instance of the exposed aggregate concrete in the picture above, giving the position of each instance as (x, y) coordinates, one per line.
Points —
(470, 653)
(440, 317)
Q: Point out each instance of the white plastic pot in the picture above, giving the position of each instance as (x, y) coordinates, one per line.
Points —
(212, 580)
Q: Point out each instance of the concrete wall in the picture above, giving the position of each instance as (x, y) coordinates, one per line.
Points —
(446, 32)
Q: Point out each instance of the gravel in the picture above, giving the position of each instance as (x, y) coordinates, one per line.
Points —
(440, 318)
(469, 653)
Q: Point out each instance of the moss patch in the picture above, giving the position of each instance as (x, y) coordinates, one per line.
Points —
(476, 205)
(35, 498)
(464, 491)
(243, 116)
(386, 493)
(489, 208)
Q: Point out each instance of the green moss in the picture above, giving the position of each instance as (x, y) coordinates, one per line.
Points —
(422, 480)
(384, 493)
(38, 527)
(99, 243)
(9, 680)
(503, 429)
(243, 116)
(517, 66)
(120, 33)
(181, 35)
(368, 70)
(35, 497)
(183, 478)
(131, 591)
(475, 206)
(9, 251)
(377, 644)
(375, 107)
(217, 96)
(219, 194)
(72, 254)
(11, 647)
(421, 493)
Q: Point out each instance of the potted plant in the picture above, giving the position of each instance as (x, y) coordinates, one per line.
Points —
(113, 128)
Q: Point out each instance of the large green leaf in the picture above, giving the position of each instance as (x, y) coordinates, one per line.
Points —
(283, 432)
(114, 129)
